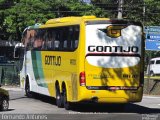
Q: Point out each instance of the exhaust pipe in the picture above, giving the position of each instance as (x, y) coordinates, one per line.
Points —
(94, 99)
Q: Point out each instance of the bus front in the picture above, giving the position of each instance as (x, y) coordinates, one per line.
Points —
(113, 66)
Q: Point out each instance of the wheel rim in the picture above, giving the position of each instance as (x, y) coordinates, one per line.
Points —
(58, 98)
(151, 73)
(27, 89)
(5, 104)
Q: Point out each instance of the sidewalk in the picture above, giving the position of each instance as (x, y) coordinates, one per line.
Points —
(12, 88)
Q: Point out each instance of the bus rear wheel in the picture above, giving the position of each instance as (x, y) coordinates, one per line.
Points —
(67, 105)
(59, 102)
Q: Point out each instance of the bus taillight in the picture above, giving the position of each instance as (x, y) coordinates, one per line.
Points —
(82, 79)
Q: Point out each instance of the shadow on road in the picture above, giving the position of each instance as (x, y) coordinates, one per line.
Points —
(44, 98)
(116, 108)
(7, 110)
(103, 108)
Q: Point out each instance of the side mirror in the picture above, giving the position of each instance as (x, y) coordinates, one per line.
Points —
(18, 52)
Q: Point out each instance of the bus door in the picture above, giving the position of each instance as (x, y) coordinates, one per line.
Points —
(113, 55)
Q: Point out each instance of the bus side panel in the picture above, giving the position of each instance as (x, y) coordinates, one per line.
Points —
(23, 74)
(34, 71)
(62, 68)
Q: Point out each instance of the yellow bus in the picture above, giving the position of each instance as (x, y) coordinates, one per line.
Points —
(80, 59)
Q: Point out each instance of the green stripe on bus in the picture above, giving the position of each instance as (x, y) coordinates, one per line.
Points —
(37, 68)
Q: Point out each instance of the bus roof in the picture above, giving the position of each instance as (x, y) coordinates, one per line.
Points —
(70, 20)
(74, 20)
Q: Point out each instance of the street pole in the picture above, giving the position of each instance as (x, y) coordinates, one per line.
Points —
(120, 9)
(148, 72)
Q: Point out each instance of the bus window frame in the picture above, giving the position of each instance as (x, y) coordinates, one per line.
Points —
(59, 35)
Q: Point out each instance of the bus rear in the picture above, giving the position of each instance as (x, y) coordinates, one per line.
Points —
(113, 67)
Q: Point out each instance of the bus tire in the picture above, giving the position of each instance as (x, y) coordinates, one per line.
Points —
(27, 89)
(151, 73)
(67, 105)
(59, 102)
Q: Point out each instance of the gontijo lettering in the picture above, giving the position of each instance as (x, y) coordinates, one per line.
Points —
(94, 48)
(53, 60)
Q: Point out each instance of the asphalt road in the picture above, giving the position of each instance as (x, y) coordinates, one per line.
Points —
(148, 109)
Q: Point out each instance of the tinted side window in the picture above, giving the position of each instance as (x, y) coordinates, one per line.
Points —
(63, 38)
(152, 62)
(157, 61)
(56, 39)
(31, 39)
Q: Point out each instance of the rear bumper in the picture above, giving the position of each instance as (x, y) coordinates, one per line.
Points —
(111, 88)
(110, 96)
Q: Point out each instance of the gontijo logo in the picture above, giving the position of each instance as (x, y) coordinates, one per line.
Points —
(113, 31)
(111, 49)
(52, 60)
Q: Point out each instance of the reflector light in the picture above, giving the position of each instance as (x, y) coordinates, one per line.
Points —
(82, 79)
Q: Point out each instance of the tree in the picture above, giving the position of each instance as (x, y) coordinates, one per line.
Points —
(109, 6)
(15, 15)
(152, 15)
(4, 5)
(18, 14)
(146, 11)
(22, 14)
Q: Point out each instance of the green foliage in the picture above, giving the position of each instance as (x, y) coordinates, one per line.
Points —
(152, 12)
(23, 14)
(15, 15)
(108, 6)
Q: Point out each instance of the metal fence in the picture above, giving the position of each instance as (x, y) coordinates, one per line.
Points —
(9, 73)
(152, 85)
